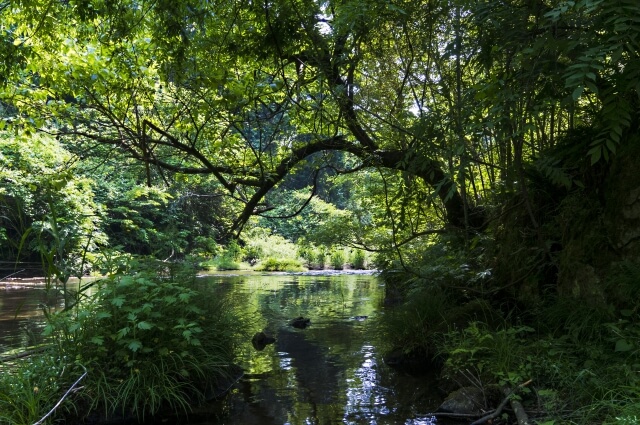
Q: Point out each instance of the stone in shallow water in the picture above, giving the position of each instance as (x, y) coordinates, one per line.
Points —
(300, 322)
(261, 340)
(466, 400)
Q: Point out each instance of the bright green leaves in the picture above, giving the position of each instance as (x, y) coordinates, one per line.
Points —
(145, 325)
(43, 202)
(141, 315)
(73, 62)
(134, 345)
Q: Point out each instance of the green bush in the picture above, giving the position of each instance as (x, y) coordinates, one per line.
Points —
(148, 339)
(337, 259)
(358, 259)
(314, 257)
(224, 262)
(307, 253)
(228, 259)
(261, 244)
(321, 258)
(287, 265)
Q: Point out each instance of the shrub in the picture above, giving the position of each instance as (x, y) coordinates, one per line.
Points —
(358, 259)
(148, 340)
(286, 265)
(261, 244)
(321, 258)
(225, 262)
(337, 259)
(307, 253)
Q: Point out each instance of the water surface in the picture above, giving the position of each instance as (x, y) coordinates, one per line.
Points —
(328, 373)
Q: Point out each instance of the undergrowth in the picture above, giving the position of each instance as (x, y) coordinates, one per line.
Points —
(146, 336)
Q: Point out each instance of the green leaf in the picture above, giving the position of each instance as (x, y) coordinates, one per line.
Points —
(595, 153)
(622, 345)
(134, 345)
(577, 92)
(170, 299)
(145, 325)
(122, 333)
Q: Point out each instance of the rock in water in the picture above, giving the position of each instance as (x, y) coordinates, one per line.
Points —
(261, 340)
(300, 322)
(466, 400)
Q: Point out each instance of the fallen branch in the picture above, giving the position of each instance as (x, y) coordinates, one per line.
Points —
(27, 353)
(63, 397)
(518, 410)
(501, 406)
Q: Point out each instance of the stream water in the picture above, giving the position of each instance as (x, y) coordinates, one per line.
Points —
(328, 373)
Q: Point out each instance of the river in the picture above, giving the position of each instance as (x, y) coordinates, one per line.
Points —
(327, 373)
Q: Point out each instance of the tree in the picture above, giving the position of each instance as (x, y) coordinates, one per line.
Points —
(47, 209)
(245, 92)
(454, 93)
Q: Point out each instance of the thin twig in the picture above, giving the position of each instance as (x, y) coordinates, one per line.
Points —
(451, 415)
(63, 397)
(8, 276)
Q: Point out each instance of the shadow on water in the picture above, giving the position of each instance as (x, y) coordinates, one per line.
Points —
(330, 372)
(327, 373)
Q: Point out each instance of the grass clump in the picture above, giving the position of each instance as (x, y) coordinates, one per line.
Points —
(281, 265)
(338, 259)
(358, 259)
(30, 386)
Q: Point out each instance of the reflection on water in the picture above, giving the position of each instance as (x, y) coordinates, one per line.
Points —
(329, 373)
(21, 314)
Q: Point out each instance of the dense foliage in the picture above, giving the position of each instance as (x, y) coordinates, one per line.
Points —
(483, 154)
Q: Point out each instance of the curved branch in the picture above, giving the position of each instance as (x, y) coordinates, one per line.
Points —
(304, 205)
(191, 151)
